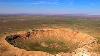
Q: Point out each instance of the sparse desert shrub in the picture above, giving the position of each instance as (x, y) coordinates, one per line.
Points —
(98, 38)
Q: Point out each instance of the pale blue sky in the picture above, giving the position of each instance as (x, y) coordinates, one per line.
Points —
(50, 6)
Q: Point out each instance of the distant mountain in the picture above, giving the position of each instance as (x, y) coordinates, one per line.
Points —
(75, 15)
(16, 14)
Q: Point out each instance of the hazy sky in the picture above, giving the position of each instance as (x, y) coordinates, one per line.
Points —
(50, 6)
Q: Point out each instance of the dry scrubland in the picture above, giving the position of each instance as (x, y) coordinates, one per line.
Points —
(49, 36)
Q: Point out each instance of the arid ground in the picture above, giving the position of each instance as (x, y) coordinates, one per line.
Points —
(49, 36)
